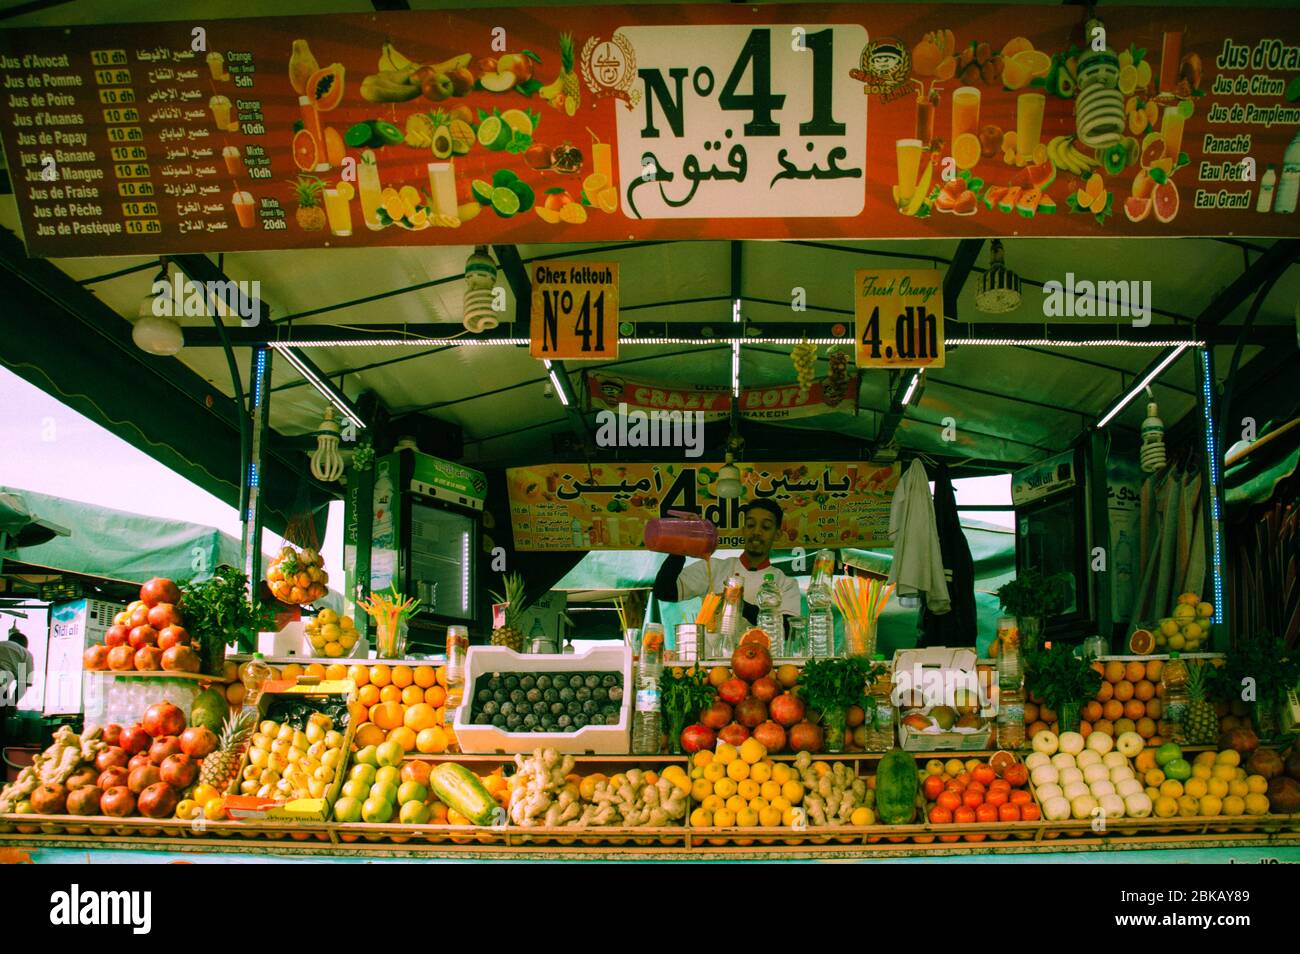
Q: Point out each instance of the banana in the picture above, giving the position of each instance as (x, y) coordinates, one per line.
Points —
(391, 60)
(1083, 158)
(455, 63)
(390, 86)
(1058, 152)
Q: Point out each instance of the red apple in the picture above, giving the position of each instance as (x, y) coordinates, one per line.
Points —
(113, 756)
(117, 635)
(751, 712)
(84, 801)
(806, 737)
(735, 734)
(733, 690)
(751, 662)
(148, 659)
(163, 718)
(112, 733)
(86, 775)
(141, 778)
(179, 770)
(135, 739)
(139, 760)
(158, 801)
(159, 590)
(771, 735)
(139, 617)
(121, 658)
(180, 659)
(696, 738)
(197, 741)
(118, 801)
(516, 63)
(163, 748)
(163, 615)
(50, 799)
(766, 688)
(144, 635)
(113, 777)
(95, 657)
(787, 709)
(716, 715)
(173, 636)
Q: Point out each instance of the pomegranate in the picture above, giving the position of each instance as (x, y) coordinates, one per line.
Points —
(197, 741)
(163, 748)
(179, 770)
(121, 658)
(112, 777)
(163, 718)
(751, 662)
(1293, 763)
(144, 635)
(95, 657)
(84, 801)
(148, 659)
(180, 659)
(787, 709)
(139, 617)
(173, 636)
(50, 799)
(139, 760)
(163, 615)
(142, 777)
(766, 688)
(751, 712)
(1265, 762)
(716, 715)
(806, 737)
(1243, 740)
(735, 734)
(112, 756)
(118, 801)
(117, 635)
(135, 739)
(733, 690)
(771, 735)
(158, 801)
(160, 590)
(86, 775)
(112, 732)
(696, 738)
(1284, 796)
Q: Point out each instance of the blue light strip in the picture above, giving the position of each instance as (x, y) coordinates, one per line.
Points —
(1212, 455)
(257, 378)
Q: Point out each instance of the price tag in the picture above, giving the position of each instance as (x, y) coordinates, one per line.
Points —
(575, 311)
(114, 96)
(899, 317)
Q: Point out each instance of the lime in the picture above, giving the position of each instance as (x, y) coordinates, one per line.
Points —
(494, 134)
(358, 135)
(503, 177)
(1187, 107)
(524, 193)
(504, 202)
(482, 191)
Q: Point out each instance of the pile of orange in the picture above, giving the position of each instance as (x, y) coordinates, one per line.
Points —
(1130, 699)
(403, 704)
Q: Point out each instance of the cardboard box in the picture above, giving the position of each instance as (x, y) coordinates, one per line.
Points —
(252, 807)
(925, 678)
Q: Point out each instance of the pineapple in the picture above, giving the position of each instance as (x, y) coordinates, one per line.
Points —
(1201, 724)
(310, 215)
(220, 764)
(564, 93)
(510, 634)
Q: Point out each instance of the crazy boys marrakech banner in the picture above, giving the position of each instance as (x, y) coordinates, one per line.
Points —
(660, 122)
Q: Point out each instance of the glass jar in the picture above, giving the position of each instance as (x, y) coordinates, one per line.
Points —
(390, 642)
(1069, 716)
(796, 639)
(860, 638)
(833, 722)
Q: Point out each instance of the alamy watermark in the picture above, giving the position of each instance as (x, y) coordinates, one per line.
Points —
(637, 428)
(1088, 299)
(182, 297)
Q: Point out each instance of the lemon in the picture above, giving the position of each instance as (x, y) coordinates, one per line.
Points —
(770, 790)
(1229, 757)
(758, 804)
(738, 770)
(747, 789)
(346, 193)
(862, 816)
(782, 773)
(1144, 74)
(701, 789)
(724, 818)
(551, 217)
(792, 792)
(1166, 807)
(1211, 805)
(1035, 62)
(573, 213)
(726, 752)
(594, 184)
(1217, 788)
(1237, 788)
(724, 787)
(607, 199)
(1256, 785)
(1128, 78)
(747, 818)
(333, 650)
(1256, 804)
(753, 751)
(1234, 805)
(1172, 788)
(714, 771)
(702, 818)
(736, 804)
(518, 120)
(713, 803)
(780, 804)
(702, 758)
(1015, 74)
(770, 818)
(1196, 788)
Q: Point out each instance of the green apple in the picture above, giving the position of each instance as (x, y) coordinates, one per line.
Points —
(367, 756)
(388, 774)
(411, 791)
(376, 810)
(356, 788)
(414, 812)
(365, 772)
(347, 809)
(385, 790)
(389, 753)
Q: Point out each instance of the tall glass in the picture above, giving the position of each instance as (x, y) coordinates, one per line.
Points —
(966, 111)
(243, 203)
(338, 212)
(220, 107)
(1171, 130)
(370, 192)
(925, 121)
(1029, 123)
(442, 187)
(796, 638)
(860, 638)
(1171, 57)
(909, 163)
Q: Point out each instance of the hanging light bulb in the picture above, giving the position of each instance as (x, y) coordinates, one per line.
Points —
(999, 287)
(480, 286)
(1152, 454)
(729, 486)
(326, 464)
(154, 333)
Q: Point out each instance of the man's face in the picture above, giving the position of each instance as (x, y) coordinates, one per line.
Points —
(760, 534)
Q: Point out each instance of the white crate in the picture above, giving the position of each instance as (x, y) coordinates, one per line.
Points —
(589, 740)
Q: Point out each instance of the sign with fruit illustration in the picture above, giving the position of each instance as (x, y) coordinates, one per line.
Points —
(606, 506)
(899, 317)
(575, 311)
(590, 124)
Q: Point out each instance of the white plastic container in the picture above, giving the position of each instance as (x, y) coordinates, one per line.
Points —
(589, 740)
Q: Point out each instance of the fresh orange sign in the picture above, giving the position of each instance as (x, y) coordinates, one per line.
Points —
(899, 317)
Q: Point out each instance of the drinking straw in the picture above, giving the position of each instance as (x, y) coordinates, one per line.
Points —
(708, 608)
(388, 611)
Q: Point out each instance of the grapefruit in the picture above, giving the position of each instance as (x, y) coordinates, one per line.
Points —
(305, 151)
(1165, 200)
(1137, 208)
(755, 635)
(1141, 643)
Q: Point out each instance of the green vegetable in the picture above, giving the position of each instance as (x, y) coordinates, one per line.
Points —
(682, 697)
(1265, 661)
(460, 790)
(1059, 677)
(896, 787)
(218, 612)
(836, 683)
(1032, 594)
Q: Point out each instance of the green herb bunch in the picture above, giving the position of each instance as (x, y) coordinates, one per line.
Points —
(682, 697)
(1058, 677)
(1265, 660)
(1032, 594)
(836, 683)
(219, 613)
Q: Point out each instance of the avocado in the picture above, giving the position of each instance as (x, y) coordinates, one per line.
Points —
(539, 728)
(541, 708)
(557, 708)
(499, 721)
(590, 707)
(612, 719)
(577, 682)
(483, 695)
(530, 720)
(517, 696)
(482, 719)
(600, 694)
(563, 722)
(442, 143)
(616, 694)
(592, 681)
(491, 707)
(513, 722)
(551, 695)
(511, 683)
(573, 708)
(610, 680)
(494, 682)
(507, 708)
(566, 695)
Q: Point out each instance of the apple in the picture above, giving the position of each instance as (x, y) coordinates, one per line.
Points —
(163, 615)
(197, 741)
(462, 82)
(163, 748)
(142, 635)
(180, 659)
(347, 809)
(148, 659)
(111, 733)
(376, 810)
(519, 64)
(390, 753)
(135, 739)
(173, 636)
(117, 635)
(1130, 744)
(118, 801)
(95, 657)
(158, 801)
(733, 690)
(121, 658)
(142, 777)
(1046, 741)
(179, 770)
(84, 801)
(50, 799)
(159, 590)
(112, 757)
(163, 718)
(112, 777)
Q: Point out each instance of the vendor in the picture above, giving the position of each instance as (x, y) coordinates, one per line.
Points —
(762, 523)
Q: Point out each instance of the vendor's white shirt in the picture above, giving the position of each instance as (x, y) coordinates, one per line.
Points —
(694, 581)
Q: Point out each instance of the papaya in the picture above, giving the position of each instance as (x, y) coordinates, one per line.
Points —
(209, 709)
(897, 783)
(325, 87)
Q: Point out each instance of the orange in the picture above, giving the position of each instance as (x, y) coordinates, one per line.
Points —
(787, 675)
(369, 734)
(1092, 711)
(359, 674)
(402, 676)
(1135, 671)
(440, 675)
(390, 694)
(1135, 709)
(412, 695)
(381, 675)
(305, 151)
(336, 671)
(1155, 708)
(1144, 690)
(966, 150)
(1104, 726)
(386, 715)
(425, 676)
(404, 737)
(431, 741)
(435, 696)
(1105, 691)
(1154, 668)
(420, 716)
(358, 713)
(718, 675)
(1123, 690)
(367, 695)
(1114, 671)
(1146, 727)
(315, 669)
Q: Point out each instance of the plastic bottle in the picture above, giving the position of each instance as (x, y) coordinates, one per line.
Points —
(1011, 691)
(733, 617)
(1289, 185)
(880, 730)
(1174, 679)
(1267, 187)
(457, 647)
(252, 674)
(769, 614)
(646, 720)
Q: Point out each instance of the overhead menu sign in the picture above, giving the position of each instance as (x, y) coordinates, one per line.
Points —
(574, 310)
(656, 122)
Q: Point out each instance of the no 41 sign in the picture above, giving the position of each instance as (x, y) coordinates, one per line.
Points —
(574, 311)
